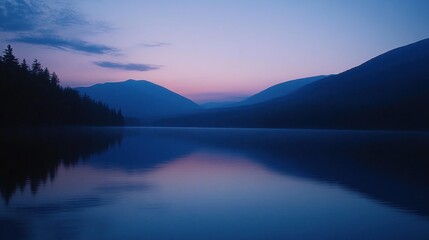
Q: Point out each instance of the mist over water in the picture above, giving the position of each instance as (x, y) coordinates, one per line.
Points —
(173, 183)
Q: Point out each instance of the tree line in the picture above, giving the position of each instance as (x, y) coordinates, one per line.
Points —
(31, 157)
(32, 96)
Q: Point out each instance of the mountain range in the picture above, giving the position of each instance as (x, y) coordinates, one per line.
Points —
(390, 91)
(141, 99)
(143, 102)
(277, 91)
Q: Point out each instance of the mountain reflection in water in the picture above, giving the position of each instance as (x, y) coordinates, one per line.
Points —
(231, 183)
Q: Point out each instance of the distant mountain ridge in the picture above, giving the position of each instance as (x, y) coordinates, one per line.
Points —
(278, 90)
(270, 93)
(390, 91)
(141, 99)
(220, 104)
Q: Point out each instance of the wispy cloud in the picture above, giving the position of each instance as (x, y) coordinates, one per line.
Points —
(66, 44)
(68, 17)
(32, 15)
(43, 22)
(155, 44)
(128, 66)
(18, 15)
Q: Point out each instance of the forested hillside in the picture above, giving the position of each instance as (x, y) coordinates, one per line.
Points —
(32, 96)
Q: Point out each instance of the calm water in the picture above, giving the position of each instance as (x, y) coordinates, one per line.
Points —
(142, 183)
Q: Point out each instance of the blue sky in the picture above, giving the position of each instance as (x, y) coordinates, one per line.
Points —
(206, 50)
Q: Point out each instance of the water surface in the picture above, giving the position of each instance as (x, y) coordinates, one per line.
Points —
(172, 183)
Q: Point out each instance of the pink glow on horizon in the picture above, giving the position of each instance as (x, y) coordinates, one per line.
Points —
(237, 48)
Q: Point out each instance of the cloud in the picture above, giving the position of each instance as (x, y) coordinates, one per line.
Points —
(18, 15)
(128, 66)
(155, 44)
(68, 17)
(42, 22)
(35, 15)
(66, 44)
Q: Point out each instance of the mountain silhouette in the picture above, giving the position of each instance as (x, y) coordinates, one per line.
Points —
(389, 91)
(141, 99)
(219, 104)
(277, 91)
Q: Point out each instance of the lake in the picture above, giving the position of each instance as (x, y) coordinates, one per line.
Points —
(174, 183)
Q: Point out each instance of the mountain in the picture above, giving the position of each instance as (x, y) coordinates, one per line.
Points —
(141, 99)
(278, 90)
(387, 92)
(218, 104)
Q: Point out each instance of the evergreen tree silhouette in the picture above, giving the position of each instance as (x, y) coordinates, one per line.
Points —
(34, 97)
(24, 66)
(36, 68)
(8, 57)
(54, 79)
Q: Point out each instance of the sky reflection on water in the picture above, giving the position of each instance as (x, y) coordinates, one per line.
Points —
(221, 184)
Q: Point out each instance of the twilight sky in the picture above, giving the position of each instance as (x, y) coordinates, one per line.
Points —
(207, 50)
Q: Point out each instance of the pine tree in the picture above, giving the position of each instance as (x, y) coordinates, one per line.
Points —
(46, 75)
(24, 65)
(8, 58)
(54, 79)
(36, 68)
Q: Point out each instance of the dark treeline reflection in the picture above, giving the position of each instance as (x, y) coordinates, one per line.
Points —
(32, 156)
(390, 167)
